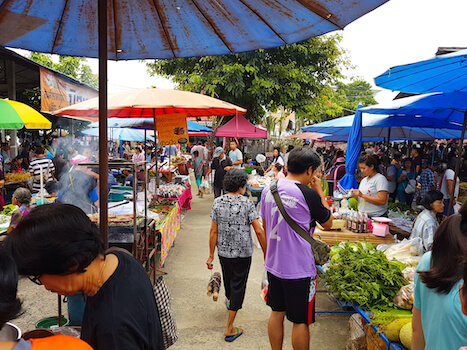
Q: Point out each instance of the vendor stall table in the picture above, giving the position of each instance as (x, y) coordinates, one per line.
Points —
(333, 237)
(167, 229)
(184, 200)
(370, 331)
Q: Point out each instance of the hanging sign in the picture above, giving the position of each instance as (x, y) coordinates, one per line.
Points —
(57, 92)
(171, 129)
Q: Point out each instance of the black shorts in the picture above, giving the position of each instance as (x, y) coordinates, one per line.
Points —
(295, 297)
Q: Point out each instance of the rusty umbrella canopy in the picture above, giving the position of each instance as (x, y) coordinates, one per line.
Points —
(162, 29)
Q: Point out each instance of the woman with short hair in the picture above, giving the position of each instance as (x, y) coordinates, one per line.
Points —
(438, 321)
(232, 215)
(427, 223)
(21, 198)
(10, 308)
(59, 247)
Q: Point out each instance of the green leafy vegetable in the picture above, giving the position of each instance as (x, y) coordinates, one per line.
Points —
(359, 273)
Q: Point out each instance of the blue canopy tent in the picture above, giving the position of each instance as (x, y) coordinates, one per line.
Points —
(444, 73)
(143, 29)
(354, 145)
(147, 123)
(122, 134)
(381, 127)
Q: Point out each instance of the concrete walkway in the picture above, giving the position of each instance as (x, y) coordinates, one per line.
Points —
(201, 321)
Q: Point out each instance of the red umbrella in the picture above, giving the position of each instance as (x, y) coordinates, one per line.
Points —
(146, 103)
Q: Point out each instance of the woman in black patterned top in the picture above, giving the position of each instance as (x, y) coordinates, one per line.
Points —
(232, 214)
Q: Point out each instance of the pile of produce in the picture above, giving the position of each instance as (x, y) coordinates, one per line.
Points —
(162, 202)
(171, 190)
(178, 160)
(396, 325)
(10, 177)
(4, 219)
(361, 274)
(8, 209)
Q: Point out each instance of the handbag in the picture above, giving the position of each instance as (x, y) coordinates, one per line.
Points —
(166, 314)
(411, 186)
(320, 249)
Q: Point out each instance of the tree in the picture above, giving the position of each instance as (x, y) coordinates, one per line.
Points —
(74, 67)
(343, 99)
(292, 77)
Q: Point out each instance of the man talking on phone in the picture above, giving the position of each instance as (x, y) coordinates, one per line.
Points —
(289, 259)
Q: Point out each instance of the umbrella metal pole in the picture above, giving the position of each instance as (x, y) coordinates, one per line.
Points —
(157, 152)
(458, 163)
(60, 311)
(103, 154)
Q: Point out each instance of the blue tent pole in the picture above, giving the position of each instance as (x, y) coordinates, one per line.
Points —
(121, 148)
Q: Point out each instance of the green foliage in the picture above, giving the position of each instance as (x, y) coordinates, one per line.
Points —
(361, 274)
(293, 77)
(343, 100)
(74, 67)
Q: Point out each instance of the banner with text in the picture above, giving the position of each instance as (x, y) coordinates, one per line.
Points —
(171, 129)
(57, 92)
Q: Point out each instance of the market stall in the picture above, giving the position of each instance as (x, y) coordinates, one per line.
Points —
(365, 277)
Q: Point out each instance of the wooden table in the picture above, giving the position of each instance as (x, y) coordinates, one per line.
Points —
(333, 236)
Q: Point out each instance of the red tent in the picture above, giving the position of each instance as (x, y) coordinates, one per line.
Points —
(240, 127)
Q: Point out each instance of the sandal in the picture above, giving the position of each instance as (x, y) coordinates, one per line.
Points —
(231, 338)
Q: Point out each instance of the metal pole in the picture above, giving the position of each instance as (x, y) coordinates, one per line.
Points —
(157, 152)
(103, 153)
(458, 163)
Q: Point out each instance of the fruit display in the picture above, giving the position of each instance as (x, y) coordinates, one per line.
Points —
(11, 177)
(405, 335)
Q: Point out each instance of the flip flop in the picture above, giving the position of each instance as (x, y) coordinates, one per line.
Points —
(231, 338)
(227, 303)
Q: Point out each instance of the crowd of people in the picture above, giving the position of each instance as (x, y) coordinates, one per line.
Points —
(71, 257)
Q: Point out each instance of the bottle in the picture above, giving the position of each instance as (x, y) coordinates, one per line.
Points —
(365, 223)
(354, 222)
(359, 223)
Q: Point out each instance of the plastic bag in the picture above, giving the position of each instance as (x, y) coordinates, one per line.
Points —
(404, 298)
(406, 251)
(205, 186)
(264, 285)
(409, 274)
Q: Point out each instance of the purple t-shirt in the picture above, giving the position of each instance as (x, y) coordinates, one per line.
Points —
(288, 255)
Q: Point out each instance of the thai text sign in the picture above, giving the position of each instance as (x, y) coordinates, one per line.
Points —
(57, 92)
(171, 129)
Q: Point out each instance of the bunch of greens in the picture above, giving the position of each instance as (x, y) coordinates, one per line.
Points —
(399, 207)
(8, 209)
(361, 274)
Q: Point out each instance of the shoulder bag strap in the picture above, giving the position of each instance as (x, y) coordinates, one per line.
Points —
(296, 227)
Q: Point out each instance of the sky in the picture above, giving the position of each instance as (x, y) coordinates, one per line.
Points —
(398, 32)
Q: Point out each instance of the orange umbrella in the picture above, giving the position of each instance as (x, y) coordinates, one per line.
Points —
(146, 103)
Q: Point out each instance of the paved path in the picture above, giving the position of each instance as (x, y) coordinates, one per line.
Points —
(201, 321)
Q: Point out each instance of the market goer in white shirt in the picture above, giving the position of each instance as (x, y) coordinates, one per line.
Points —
(372, 194)
(235, 155)
(426, 223)
(447, 187)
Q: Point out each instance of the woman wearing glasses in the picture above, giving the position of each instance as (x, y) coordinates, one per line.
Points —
(10, 308)
(67, 257)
